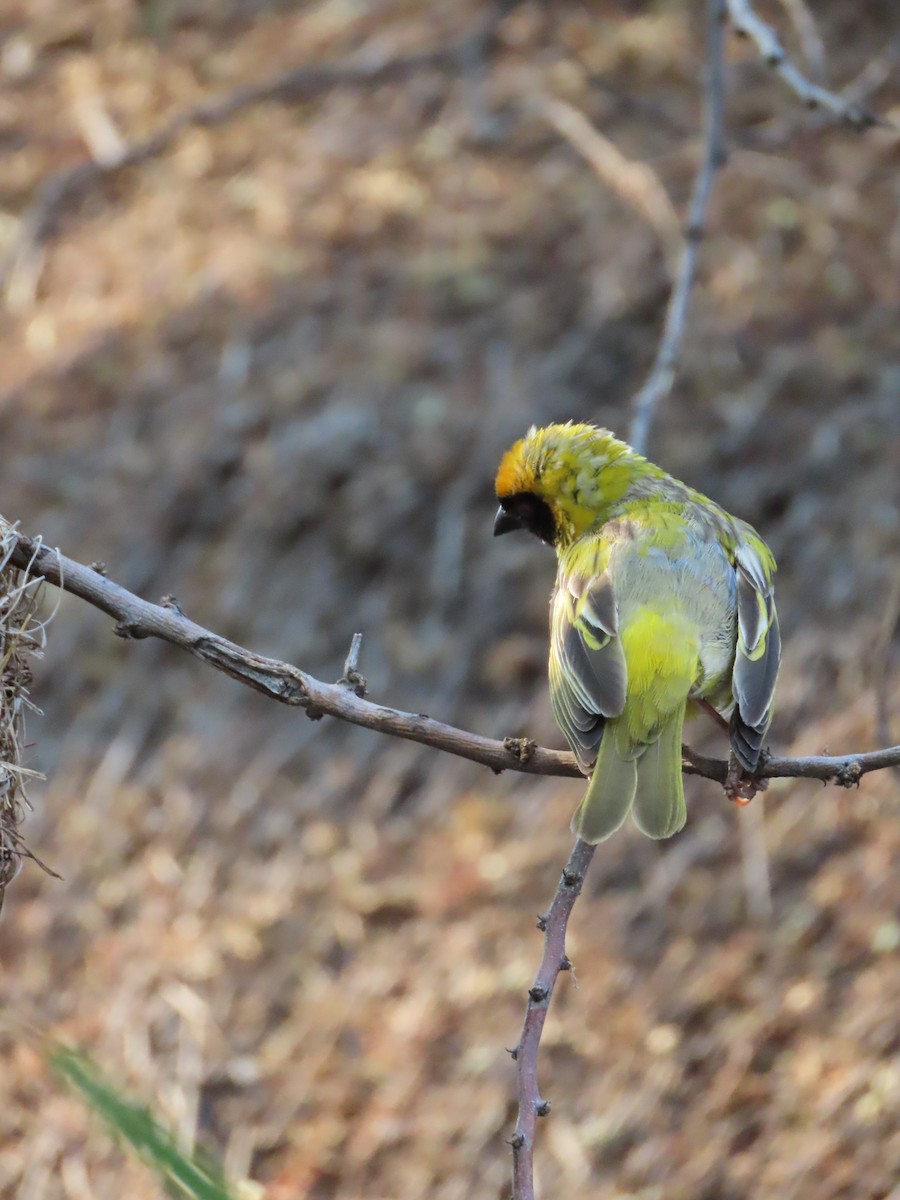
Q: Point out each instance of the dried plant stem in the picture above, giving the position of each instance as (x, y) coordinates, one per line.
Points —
(21, 638)
(137, 618)
(662, 373)
(554, 960)
(636, 185)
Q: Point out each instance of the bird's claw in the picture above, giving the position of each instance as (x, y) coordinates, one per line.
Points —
(740, 787)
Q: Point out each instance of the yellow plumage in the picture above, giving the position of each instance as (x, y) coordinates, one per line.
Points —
(661, 598)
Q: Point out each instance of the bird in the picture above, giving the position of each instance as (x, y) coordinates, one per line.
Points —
(663, 603)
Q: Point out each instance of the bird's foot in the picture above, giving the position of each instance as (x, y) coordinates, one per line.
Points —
(739, 786)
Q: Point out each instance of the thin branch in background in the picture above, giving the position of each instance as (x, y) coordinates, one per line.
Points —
(874, 74)
(20, 274)
(882, 656)
(748, 24)
(553, 961)
(808, 35)
(755, 862)
(662, 373)
(635, 184)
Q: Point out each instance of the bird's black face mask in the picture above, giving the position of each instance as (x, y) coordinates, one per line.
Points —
(526, 511)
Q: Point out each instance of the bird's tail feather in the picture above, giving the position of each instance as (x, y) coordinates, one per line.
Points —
(659, 808)
(610, 792)
(647, 777)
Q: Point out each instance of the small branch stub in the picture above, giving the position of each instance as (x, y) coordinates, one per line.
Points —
(521, 748)
(352, 678)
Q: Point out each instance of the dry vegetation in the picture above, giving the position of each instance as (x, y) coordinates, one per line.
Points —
(271, 371)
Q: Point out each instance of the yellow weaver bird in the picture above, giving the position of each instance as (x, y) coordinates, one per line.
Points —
(662, 599)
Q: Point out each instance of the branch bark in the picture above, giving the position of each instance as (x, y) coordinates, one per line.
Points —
(553, 961)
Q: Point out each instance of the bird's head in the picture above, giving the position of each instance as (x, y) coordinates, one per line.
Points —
(559, 481)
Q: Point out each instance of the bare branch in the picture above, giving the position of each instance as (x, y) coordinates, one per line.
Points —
(662, 373)
(66, 186)
(747, 24)
(136, 618)
(554, 960)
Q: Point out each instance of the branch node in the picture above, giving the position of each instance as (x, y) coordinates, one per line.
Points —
(537, 993)
(517, 1141)
(170, 602)
(130, 630)
(542, 922)
(572, 879)
(521, 748)
(849, 775)
(542, 1108)
(99, 567)
(693, 234)
(513, 1052)
(565, 963)
(313, 711)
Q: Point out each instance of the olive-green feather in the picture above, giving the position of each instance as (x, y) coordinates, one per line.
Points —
(659, 807)
(758, 650)
(610, 793)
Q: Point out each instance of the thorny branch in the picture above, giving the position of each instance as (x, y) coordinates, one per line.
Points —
(136, 619)
(554, 960)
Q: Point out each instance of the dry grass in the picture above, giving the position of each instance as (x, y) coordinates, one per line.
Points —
(22, 638)
(272, 372)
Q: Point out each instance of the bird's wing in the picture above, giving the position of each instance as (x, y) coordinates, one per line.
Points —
(587, 667)
(758, 652)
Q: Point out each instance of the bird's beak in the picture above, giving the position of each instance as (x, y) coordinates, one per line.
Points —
(505, 522)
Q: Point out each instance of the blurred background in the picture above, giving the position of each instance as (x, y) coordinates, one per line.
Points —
(271, 370)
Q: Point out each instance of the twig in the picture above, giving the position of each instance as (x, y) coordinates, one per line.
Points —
(808, 34)
(137, 618)
(65, 186)
(635, 184)
(882, 661)
(352, 676)
(662, 373)
(554, 960)
(875, 73)
(747, 24)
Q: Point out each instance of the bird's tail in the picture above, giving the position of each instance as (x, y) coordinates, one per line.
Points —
(638, 777)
